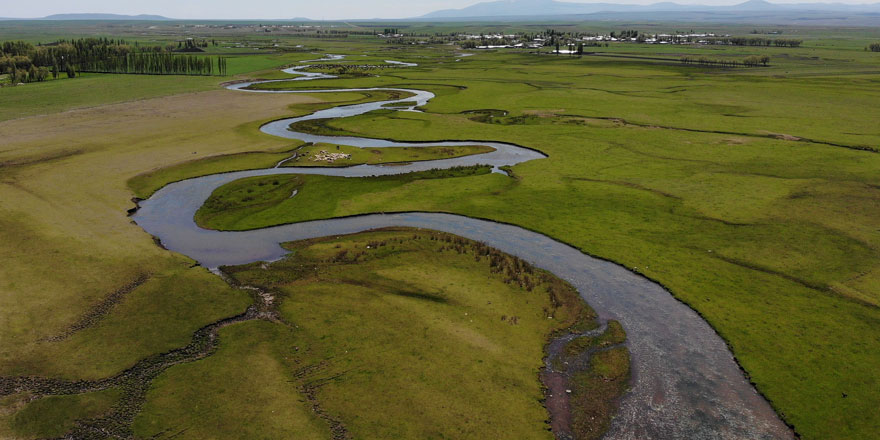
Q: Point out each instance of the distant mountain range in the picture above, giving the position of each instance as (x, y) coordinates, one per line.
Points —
(104, 17)
(759, 10)
(95, 17)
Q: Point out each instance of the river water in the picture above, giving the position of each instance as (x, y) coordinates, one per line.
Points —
(686, 383)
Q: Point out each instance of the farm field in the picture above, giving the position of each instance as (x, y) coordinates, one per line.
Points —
(751, 194)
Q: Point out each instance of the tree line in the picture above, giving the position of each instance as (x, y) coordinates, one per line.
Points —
(755, 41)
(751, 61)
(873, 47)
(628, 34)
(25, 62)
(191, 45)
(156, 64)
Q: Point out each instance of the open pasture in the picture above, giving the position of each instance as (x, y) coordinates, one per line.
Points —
(753, 195)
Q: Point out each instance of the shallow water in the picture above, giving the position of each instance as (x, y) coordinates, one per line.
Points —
(686, 384)
(401, 63)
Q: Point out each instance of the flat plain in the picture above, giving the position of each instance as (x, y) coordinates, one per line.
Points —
(753, 195)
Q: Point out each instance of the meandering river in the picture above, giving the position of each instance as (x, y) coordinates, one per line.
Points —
(686, 383)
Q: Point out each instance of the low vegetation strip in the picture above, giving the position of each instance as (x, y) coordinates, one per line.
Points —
(23, 162)
(752, 61)
(343, 155)
(101, 309)
(145, 184)
(551, 118)
(318, 127)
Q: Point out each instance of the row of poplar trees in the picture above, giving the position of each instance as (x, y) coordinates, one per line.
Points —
(156, 64)
(750, 61)
(24, 62)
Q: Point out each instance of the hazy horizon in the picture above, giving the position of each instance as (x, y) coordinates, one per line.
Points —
(279, 10)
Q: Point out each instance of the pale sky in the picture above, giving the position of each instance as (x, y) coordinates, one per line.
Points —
(285, 9)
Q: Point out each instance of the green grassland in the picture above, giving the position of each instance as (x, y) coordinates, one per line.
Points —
(89, 90)
(87, 294)
(53, 416)
(145, 184)
(255, 363)
(752, 194)
(722, 184)
(256, 202)
(386, 320)
(92, 89)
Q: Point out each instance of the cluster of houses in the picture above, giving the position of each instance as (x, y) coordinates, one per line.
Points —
(698, 38)
(501, 41)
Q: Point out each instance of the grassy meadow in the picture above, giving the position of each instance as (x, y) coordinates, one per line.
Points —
(93, 89)
(752, 194)
(434, 314)
(721, 184)
(254, 202)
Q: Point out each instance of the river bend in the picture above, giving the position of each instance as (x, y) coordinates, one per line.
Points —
(686, 383)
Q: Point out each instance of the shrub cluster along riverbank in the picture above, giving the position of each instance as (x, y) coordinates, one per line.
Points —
(752, 61)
